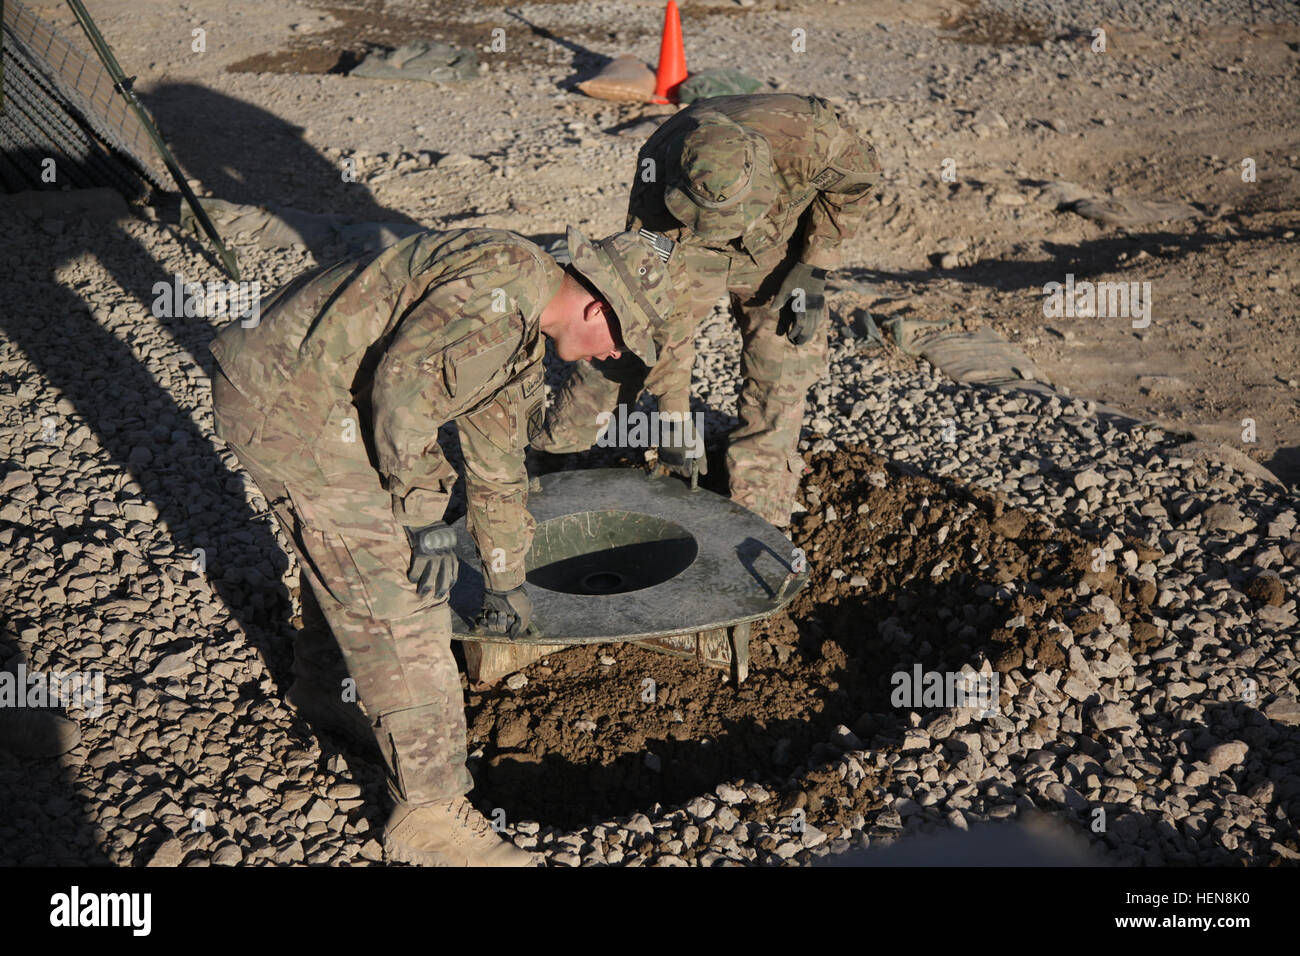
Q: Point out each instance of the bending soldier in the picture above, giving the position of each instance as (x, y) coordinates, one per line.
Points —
(333, 404)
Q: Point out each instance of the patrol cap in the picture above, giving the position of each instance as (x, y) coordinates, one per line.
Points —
(719, 178)
(633, 278)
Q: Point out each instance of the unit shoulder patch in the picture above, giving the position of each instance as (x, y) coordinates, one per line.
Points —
(827, 179)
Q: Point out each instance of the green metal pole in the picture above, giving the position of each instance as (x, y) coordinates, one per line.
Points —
(123, 86)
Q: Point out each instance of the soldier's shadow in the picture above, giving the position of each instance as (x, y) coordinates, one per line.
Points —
(156, 438)
(153, 433)
(274, 164)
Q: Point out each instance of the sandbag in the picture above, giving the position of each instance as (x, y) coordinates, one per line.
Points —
(721, 82)
(1111, 211)
(624, 78)
(979, 358)
(426, 60)
(1133, 212)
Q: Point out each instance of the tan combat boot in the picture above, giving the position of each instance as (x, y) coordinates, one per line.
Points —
(451, 833)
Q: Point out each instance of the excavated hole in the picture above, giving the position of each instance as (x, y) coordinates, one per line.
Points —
(887, 592)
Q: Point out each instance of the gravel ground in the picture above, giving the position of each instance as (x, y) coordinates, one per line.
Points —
(115, 481)
(1154, 17)
(131, 543)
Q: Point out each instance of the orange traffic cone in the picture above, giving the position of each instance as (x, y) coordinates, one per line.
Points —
(672, 57)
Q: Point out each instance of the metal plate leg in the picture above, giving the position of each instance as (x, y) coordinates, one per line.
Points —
(740, 652)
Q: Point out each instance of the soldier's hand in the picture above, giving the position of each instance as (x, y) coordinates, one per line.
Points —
(681, 445)
(433, 559)
(505, 612)
(677, 459)
(802, 302)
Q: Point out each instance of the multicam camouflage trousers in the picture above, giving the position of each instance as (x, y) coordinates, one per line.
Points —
(396, 646)
(762, 455)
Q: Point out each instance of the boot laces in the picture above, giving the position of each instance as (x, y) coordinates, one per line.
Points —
(472, 819)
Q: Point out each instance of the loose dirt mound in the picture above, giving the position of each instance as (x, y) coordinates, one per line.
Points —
(889, 588)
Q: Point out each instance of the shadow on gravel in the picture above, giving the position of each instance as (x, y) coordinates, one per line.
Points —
(1260, 780)
(1197, 837)
(41, 822)
(190, 479)
(586, 62)
(1104, 255)
(242, 153)
(1285, 463)
(152, 438)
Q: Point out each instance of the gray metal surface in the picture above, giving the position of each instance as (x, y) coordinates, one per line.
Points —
(623, 556)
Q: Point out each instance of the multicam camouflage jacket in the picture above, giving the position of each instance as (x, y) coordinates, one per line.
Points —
(819, 161)
(363, 361)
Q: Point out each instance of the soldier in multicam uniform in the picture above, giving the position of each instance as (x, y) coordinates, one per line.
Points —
(760, 193)
(333, 403)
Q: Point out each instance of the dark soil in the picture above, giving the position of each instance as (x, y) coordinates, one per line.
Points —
(971, 23)
(821, 663)
(369, 25)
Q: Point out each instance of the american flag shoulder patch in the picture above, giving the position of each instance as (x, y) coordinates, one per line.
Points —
(662, 245)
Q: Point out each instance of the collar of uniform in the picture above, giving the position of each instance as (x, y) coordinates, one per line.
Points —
(552, 278)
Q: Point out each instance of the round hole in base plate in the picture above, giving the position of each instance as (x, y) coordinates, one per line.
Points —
(601, 553)
(603, 582)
